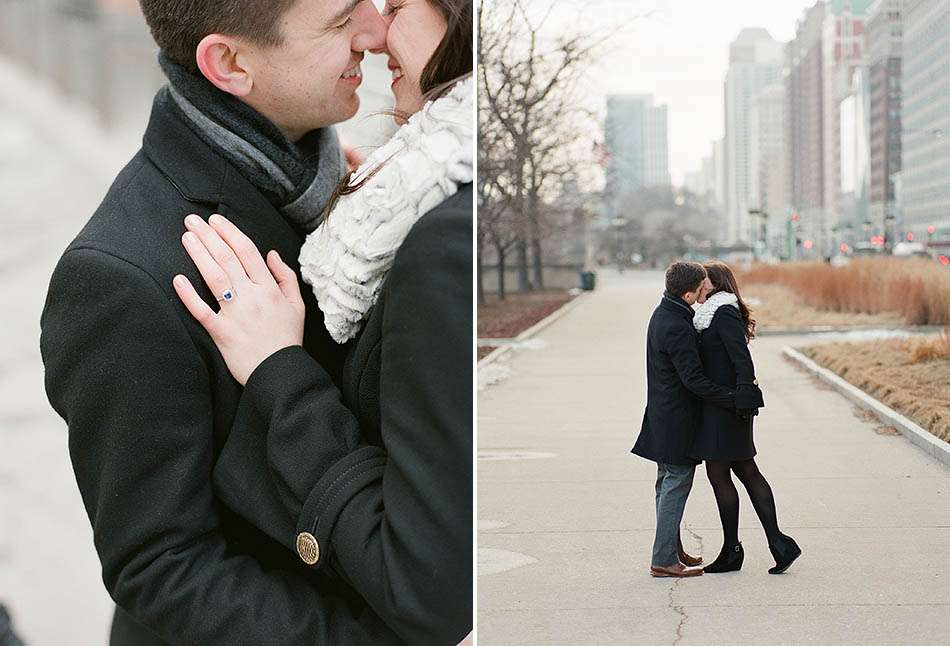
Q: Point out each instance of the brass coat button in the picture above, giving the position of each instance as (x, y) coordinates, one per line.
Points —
(307, 548)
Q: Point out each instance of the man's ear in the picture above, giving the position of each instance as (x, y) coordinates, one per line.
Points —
(220, 61)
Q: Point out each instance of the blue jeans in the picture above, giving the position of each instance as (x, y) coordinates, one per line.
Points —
(673, 484)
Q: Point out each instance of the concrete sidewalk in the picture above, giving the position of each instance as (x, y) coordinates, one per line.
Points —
(566, 513)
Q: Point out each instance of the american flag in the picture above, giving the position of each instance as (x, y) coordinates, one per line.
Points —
(601, 154)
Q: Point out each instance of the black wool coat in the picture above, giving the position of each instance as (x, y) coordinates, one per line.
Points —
(724, 434)
(676, 385)
(380, 470)
(150, 405)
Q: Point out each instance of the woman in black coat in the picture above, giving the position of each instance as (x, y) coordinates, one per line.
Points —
(369, 481)
(724, 440)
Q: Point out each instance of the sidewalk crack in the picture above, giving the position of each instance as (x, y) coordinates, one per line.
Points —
(696, 537)
(680, 610)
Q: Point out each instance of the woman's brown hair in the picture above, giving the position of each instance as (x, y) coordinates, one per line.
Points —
(450, 63)
(452, 59)
(723, 280)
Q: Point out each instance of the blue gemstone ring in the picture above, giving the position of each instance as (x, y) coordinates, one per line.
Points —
(226, 296)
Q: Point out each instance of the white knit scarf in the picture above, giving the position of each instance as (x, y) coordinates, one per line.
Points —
(346, 259)
(705, 312)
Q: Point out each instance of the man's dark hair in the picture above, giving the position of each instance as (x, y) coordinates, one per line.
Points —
(179, 25)
(684, 277)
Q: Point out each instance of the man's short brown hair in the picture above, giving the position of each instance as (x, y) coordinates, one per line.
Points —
(179, 25)
(684, 277)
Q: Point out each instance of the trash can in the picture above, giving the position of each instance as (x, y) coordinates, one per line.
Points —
(588, 281)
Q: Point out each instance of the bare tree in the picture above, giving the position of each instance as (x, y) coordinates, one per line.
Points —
(530, 70)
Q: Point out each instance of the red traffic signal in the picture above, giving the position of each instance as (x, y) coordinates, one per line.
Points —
(910, 236)
(931, 229)
(844, 247)
(808, 244)
(944, 261)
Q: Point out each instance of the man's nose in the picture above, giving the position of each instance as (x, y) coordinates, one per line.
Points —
(373, 28)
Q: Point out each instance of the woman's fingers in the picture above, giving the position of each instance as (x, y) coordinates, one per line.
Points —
(286, 278)
(218, 249)
(244, 248)
(214, 276)
(194, 303)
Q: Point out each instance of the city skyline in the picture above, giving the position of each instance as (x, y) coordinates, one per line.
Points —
(683, 48)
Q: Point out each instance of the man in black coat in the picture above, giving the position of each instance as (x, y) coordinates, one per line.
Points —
(676, 386)
(243, 129)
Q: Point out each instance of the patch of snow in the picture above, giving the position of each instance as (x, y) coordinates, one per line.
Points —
(495, 561)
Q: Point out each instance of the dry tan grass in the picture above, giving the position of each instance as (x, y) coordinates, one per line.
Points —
(931, 349)
(895, 373)
(916, 289)
(781, 307)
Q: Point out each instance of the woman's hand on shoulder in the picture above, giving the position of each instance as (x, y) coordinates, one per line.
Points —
(261, 309)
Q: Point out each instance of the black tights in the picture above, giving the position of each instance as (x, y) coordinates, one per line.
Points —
(727, 498)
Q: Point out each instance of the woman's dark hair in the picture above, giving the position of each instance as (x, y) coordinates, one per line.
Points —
(724, 280)
(684, 277)
(450, 62)
(452, 59)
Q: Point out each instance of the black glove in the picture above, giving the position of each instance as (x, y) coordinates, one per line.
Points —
(747, 413)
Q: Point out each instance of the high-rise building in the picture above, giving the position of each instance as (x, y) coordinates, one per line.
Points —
(755, 61)
(820, 63)
(804, 134)
(843, 51)
(885, 40)
(769, 177)
(925, 177)
(719, 184)
(854, 223)
(637, 141)
(695, 182)
(657, 151)
(703, 184)
(885, 60)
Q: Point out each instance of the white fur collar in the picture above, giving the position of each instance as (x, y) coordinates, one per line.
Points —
(706, 311)
(347, 258)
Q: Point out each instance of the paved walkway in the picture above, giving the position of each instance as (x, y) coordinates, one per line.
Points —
(566, 513)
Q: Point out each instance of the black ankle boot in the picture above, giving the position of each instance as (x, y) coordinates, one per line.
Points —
(785, 553)
(729, 560)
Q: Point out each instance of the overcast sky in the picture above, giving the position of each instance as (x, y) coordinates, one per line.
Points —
(680, 54)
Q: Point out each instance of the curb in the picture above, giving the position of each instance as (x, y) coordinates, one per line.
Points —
(498, 353)
(826, 329)
(927, 442)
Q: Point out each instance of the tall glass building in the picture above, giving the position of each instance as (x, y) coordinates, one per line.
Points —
(925, 178)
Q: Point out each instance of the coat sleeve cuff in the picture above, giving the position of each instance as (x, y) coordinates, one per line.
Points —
(286, 371)
(330, 496)
(749, 396)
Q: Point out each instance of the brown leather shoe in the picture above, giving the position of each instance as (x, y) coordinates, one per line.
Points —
(690, 561)
(679, 570)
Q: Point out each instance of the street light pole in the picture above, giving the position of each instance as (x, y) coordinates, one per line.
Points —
(619, 224)
(760, 232)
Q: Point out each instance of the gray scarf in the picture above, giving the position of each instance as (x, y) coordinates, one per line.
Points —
(297, 178)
